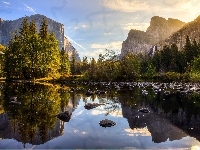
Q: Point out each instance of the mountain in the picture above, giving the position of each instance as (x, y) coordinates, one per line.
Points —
(192, 29)
(159, 29)
(7, 27)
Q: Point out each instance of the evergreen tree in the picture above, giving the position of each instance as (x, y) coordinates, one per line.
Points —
(2, 59)
(73, 63)
(32, 55)
(188, 51)
(64, 63)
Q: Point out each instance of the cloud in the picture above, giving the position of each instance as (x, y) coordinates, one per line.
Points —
(7, 3)
(112, 45)
(142, 5)
(138, 132)
(125, 5)
(30, 9)
(93, 54)
(137, 26)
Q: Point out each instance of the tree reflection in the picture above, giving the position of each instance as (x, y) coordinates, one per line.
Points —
(36, 115)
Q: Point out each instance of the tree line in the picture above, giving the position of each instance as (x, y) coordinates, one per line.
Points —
(31, 54)
(168, 64)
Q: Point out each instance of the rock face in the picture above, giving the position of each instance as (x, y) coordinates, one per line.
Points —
(9, 27)
(70, 49)
(159, 29)
(136, 42)
(192, 29)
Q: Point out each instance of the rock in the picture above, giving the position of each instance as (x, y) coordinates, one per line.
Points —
(89, 106)
(107, 123)
(144, 110)
(64, 116)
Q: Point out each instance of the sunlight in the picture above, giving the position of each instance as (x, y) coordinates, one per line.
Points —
(195, 147)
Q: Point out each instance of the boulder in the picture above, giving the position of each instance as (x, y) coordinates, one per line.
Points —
(64, 116)
(107, 123)
(89, 106)
(144, 110)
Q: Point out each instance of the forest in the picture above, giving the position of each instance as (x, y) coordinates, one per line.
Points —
(34, 55)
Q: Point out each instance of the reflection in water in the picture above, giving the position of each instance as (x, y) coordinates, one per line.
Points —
(183, 110)
(160, 128)
(170, 117)
(33, 121)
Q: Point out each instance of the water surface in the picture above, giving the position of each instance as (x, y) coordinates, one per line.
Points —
(173, 121)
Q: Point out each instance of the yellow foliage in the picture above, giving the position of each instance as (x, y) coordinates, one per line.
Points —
(2, 48)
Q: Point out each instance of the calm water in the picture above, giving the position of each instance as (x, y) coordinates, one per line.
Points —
(173, 121)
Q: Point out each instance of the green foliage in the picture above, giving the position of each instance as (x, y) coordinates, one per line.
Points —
(130, 67)
(64, 63)
(2, 59)
(32, 55)
(195, 69)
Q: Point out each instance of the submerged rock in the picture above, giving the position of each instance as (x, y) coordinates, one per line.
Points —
(144, 110)
(107, 123)
(92, 105)
(13, 100)
(64, 116)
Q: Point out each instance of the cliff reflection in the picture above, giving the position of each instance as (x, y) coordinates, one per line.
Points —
(33, 119)
(172, 116)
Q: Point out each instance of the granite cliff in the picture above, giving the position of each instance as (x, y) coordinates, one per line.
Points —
(192, 29)
(7, 27)
(159, 30)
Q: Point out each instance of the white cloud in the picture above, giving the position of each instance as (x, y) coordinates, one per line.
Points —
(112, 45)
(30, 9)
(142, 5)
(125, 5)
(81, 26)
(138, 132)
(185, 10)
(137, 26)
(94, 53)
(7, 3)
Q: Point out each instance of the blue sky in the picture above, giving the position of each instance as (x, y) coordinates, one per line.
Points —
(94, 25)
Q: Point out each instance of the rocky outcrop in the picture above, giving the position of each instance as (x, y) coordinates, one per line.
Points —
(192, 29)
(159, 29)
(8, 27)
(136, 42)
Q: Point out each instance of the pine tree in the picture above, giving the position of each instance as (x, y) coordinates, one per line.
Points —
(43, 29)
(64, 63)
(32, 55)
(73, 63)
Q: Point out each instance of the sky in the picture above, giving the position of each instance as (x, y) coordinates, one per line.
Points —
(95, 25)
